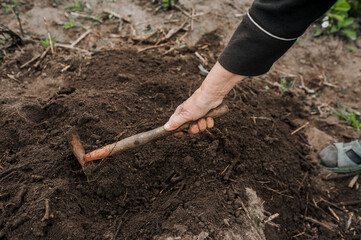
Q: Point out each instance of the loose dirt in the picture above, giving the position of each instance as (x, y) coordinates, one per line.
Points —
(171, 187)
(221, 184)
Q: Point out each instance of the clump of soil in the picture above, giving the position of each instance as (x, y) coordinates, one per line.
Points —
(170, 186)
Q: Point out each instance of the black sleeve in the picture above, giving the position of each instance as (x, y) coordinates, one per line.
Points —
(267, 31)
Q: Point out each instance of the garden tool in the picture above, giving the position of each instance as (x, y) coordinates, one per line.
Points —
(132, 141)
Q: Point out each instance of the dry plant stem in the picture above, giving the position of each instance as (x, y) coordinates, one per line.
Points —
(47, 211)
(19, 21)
(49, 37)
(328, 226)
(41, 57)
(353, 181)
(300, 128)
(152, 47)
(30, 61)
(116, 15)
(71, 47)
(173, 31)
(80, 38)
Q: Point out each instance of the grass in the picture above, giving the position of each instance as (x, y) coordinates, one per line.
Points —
(69, 24)
(348, 115)
(76, 7)
(285, 85)
(12, 6)
(45, 42)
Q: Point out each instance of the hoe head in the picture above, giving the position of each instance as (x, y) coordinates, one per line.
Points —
(77, 148)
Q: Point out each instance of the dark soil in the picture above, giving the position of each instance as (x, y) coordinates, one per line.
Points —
(146, 192)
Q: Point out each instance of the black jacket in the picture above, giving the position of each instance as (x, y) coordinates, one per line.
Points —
(267, 31)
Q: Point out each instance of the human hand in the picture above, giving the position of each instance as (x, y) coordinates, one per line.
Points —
(210, 95)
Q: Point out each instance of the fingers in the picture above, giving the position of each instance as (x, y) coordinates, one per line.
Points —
(201, 125)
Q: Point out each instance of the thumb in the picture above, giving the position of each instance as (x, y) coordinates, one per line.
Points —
(175, 121)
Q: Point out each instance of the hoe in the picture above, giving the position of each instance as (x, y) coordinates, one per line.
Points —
(132, 141)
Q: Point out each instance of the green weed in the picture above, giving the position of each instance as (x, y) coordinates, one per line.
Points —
(348, 115)
(69, 24)
(12, 6)
(340, 18)
(46, 43)
(76, 7)
(286, 85)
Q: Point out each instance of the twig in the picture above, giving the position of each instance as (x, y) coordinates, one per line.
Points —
(80, 38)
(117, 15)
(49, 36)
(173, 31)
(19, 21)
(356, 202)
(119, 225)
(300, 128)
(328, 226)
(339, 176)
(333, 213)
(71, 47)
(47, 211)
(262, 118)
(96, 19)
(7, 171)
(41, 57)
(272, 217)
(204, 62)
(348, 224)
(303, 180)
(30, 61)
(278, 192)
(151, 47)
(353, 181)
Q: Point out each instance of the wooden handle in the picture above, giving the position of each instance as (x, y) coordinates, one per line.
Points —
(145, 137)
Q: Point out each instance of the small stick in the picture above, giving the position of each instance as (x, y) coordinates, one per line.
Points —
(47, 211)
(173, 31)
(328, 226)
(117, 15)
(85, 16)
(30, 61)
(300, 128)
(353, 181)
(356, 202)
(18, 18)
(80, 38)
(201, 58)
(303, 180)
(339, 176)
(119, 225)
(49, 36)
(278, 192)
(41, 57)
(333, 213)
(71, 47)
(152, 47)
(272, 217)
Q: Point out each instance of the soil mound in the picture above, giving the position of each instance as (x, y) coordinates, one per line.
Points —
(192, 185)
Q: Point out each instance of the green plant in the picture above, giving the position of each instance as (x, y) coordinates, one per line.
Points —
(69, 24)
(76, 7)
(9, 7)
(341, 18)
(348, 115)
(285, 85)
(46, 43)
(166, 4)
